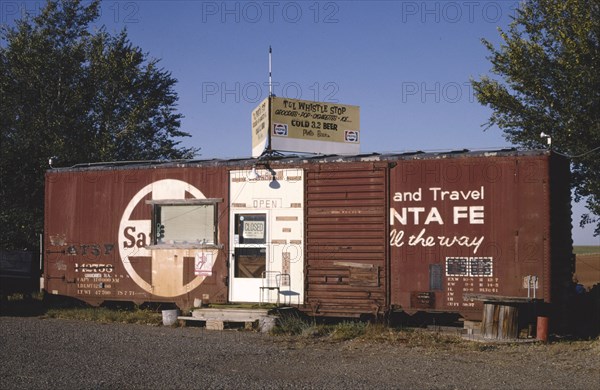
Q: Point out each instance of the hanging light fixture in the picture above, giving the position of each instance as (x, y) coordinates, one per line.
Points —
(253, 175)
(274, 184)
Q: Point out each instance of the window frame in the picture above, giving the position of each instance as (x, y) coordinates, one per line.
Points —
(156, 212)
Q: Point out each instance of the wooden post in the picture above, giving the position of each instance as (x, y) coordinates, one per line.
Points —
(487, 323)
(509, 327)
(499, 321)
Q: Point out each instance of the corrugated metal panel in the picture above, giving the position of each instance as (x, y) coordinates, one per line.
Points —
(346, 238)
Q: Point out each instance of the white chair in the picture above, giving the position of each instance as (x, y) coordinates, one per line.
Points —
(270, 282)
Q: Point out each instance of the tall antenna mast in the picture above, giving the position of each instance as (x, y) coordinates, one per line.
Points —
(270, 80)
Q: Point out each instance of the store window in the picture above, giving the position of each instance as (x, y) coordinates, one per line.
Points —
(185, 223)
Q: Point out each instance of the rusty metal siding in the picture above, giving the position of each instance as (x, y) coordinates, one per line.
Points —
(504, 232)
(346, 239)
(84, 211)
(376, 237)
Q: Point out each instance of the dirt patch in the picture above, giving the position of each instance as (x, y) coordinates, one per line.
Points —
(64, 354)
(587, 269)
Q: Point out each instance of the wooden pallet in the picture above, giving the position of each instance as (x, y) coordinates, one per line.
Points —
(216, 318)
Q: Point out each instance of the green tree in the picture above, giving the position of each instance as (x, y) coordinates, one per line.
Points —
(549, 62)
(77, 94)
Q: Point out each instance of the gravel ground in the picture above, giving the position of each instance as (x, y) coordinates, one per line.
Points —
(63, 354)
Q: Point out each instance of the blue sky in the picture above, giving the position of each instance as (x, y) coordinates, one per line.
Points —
(407, 64)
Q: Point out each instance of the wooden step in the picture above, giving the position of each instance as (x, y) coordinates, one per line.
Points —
(216, 318)
(230, 315)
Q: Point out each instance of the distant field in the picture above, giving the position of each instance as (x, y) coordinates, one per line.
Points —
(586, 249)
(587, 268)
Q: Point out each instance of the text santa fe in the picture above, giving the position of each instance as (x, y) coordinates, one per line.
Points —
(423, 216)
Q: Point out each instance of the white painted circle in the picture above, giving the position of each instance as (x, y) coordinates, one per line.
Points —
(173, 186)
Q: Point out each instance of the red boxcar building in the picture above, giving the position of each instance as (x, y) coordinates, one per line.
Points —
(344, 235)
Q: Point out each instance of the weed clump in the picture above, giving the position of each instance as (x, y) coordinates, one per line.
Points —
(348, 330)
(292, 325)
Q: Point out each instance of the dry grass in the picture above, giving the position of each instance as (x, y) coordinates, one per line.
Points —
(105, 315)
(303, 331)
(35, 305)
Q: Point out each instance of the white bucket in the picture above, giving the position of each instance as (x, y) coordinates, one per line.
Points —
(169, 317)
